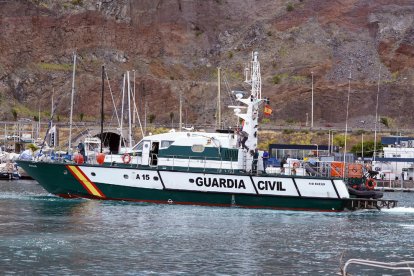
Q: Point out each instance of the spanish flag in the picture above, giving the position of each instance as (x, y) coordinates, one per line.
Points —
(267, 110)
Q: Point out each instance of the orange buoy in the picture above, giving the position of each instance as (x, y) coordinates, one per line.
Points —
(126, 158)
(370, 184)
(100, 158)
(78, 158)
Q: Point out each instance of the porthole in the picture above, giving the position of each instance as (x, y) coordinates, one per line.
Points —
(126, 176)
(93, 174)
(197, 148)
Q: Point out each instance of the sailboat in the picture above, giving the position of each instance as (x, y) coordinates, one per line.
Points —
(199, 168)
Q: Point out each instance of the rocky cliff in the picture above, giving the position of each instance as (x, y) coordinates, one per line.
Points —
(175, 46)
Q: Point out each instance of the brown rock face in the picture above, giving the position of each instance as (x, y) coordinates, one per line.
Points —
(174, 47)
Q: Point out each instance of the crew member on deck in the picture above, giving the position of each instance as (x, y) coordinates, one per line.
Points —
(243, 135)
(265, 159)
(255, 160)
(81, 149)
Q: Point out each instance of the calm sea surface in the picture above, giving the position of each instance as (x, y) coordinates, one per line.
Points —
(43, 234)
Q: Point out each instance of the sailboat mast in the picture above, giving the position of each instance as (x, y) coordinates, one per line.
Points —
(129, 112)
(122, 114)
(181, 112)
(376, 115)
(102, 104)
(218, 100)
(347, 114)
(71, 103)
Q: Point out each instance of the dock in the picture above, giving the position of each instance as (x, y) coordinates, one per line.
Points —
(406, 186)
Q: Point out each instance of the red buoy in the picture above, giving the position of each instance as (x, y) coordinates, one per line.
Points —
(78, 158)
(100, 158)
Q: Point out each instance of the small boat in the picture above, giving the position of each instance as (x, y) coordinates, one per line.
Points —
(365, 193)
(198, 168)
(9, 171)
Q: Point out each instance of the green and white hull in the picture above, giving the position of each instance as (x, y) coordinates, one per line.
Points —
(195, 188)
(219, 169)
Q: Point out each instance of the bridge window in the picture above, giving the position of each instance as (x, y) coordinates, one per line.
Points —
(166, 144)
(197, 148)
(138, 147)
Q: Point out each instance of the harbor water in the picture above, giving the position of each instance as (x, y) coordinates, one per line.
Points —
(47, 235)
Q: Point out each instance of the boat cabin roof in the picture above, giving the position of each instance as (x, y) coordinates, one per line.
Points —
(190, 138)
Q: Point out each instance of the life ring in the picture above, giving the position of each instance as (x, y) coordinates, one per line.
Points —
(296, 165)
(126, 158)
(370, 184)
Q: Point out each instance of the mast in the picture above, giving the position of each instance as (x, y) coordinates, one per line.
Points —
(312, 103)
(145, 116)
(71, 103)
(136, 111)
(38, 121)
(218, 100)
(376, 115)
(129, 111)
(181, 112)
(133, 97)
(251, 116)
(102, 104)
(347, 114)
(122, 114)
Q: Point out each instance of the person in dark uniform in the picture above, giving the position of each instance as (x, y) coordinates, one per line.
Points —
(81, 149)
(265, 158)
(255, 160)
(243, 136)
(282, 163)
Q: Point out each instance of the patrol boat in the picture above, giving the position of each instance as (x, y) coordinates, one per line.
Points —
(199, 168)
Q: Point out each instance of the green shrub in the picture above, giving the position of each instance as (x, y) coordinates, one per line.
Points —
(151, 118)
(198, 33)
(368, 148)
(14, 113)
(77, 2)
(276, 79)
(385, 121)
(288, 131)
(290, 7)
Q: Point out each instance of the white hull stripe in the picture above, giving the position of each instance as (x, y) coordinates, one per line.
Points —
(201, 182)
